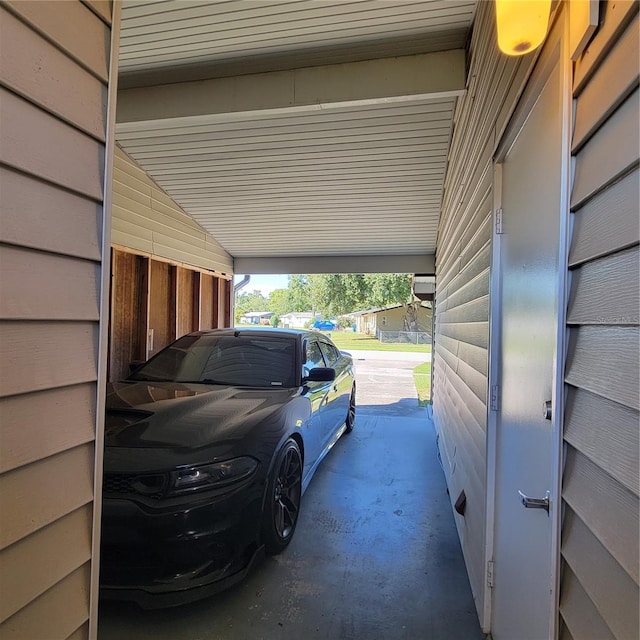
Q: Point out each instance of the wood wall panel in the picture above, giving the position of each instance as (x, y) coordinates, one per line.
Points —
(149, 294)
(185, 302)
(128, 330)
(206, 301)
(228, 293)
(161, 306)
(217, 319)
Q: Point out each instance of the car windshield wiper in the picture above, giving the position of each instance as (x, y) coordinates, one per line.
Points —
(205, 381)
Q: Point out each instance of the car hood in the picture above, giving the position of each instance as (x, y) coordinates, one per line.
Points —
(190, 416)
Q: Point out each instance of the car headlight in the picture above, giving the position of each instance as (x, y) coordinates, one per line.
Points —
(210, 476)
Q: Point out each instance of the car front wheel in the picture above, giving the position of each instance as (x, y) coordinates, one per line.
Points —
(351, 415)
(283, 499)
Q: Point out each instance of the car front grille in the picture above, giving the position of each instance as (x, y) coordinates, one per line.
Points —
(151, 486)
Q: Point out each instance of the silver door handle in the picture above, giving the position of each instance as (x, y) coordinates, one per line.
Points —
(536, 503)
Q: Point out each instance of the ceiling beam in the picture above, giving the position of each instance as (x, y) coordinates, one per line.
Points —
(423, 264)
(415, 77)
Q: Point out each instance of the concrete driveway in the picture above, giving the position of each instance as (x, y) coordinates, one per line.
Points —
(375, 555)
(385, 379)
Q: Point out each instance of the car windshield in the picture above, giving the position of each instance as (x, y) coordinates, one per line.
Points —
(247, 361)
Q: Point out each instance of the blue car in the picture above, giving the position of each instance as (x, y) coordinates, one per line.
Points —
(324, 325)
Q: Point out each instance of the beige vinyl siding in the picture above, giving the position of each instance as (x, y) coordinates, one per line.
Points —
(146, 219)
(53, 86)
(394, 320)
(462, 284)
(599, 589)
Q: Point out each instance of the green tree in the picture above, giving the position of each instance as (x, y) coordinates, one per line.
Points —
(299, 293)
(388, 288)
(253, 301)
(279, 301)
(336, 294)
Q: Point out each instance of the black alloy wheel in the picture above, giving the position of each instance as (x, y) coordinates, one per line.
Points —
(351, 414)
(283, 498)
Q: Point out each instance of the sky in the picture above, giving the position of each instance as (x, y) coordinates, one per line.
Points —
(263, 283)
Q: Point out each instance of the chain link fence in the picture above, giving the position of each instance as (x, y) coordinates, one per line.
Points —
(409, 337)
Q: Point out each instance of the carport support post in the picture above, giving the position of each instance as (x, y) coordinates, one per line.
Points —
(105, 295)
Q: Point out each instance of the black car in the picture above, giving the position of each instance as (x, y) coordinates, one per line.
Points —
(209, 447)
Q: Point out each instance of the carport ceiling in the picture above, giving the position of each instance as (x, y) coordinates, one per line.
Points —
(300, 128)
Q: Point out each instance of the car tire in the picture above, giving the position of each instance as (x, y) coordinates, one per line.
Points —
(282, 503)
(351, 414)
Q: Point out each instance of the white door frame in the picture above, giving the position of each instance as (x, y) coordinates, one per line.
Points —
(556, 49)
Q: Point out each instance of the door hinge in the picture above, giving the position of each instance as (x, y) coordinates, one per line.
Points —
(495, 397)
(490, 565)
(499, 228)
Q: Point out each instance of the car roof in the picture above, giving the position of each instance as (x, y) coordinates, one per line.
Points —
(266, 331)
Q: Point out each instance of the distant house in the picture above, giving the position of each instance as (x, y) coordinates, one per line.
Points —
(398, 317)
(297, 319)
(256, 317)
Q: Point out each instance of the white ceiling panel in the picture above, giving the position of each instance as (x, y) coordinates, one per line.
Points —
(157, 35)
(356, 179)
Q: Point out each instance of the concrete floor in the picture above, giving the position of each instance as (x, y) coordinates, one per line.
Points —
(375, 555)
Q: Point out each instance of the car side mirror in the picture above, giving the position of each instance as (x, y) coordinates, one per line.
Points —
(320, 374)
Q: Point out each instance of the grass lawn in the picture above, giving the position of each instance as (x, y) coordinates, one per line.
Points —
(422, 378)
(348, 340)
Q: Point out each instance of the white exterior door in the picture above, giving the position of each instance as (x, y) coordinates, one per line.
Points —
(528, 317)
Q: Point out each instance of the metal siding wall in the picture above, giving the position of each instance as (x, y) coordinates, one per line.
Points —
(599, 591)
(462, 284)
(54, 82)
(146, 219)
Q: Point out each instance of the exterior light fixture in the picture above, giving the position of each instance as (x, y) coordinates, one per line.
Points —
(522, 25)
